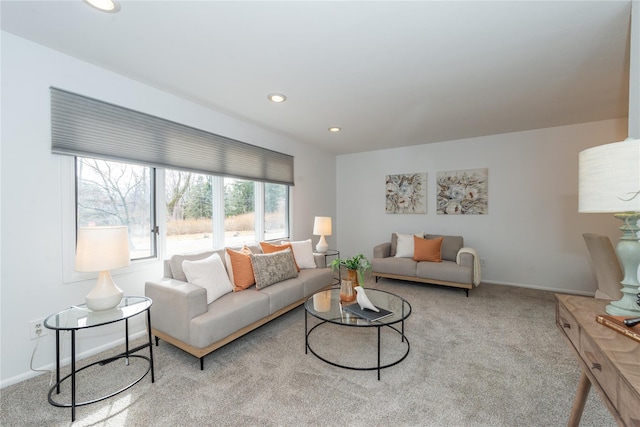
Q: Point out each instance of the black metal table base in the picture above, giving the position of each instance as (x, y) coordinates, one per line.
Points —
(126, 355)
(378, 367)
(56, 387)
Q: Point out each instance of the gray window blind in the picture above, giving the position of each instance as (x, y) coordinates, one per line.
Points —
(86, 127)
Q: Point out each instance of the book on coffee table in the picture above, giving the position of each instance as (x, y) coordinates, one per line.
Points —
(367, 314)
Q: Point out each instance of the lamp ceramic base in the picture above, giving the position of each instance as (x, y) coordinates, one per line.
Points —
(105, 295)
(628, 250)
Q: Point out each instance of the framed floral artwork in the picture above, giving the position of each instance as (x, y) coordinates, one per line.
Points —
(463, 192)
(406, 194)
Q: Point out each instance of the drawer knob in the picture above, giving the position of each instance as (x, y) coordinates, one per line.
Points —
(565, 324)
(594, 362)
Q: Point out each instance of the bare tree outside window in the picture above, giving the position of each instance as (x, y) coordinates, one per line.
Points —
(112, 193)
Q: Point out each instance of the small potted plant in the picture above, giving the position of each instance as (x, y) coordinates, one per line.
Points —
(356, 267)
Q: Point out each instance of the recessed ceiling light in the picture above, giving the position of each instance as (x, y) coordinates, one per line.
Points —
(335, 129)
(104, 5)
(276, 97)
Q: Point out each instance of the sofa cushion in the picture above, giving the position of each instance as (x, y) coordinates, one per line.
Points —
(427, 249)
(176, 263)
(284, 293)
(210, 274)
(303, 254)
(392, 265)
(269, 248)
(447, 271)
(273, 268)
(227, 315)
(239, 268)
(404, 245)
(450, 245)
(315, 279)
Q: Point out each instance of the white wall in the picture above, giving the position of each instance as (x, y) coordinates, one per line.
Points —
(32, 188)
(532, 235)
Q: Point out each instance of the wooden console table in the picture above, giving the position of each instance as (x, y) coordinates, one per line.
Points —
(610, 361)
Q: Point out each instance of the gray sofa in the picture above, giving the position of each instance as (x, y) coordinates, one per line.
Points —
(180, 314)
(460, 266)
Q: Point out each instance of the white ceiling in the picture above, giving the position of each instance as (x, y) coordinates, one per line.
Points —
(390, 73)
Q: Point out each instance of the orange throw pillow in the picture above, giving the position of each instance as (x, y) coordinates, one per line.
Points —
(240, 269)
(269, 248)
(427, 249)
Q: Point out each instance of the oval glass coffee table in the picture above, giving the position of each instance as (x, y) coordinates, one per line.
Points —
(79, 317)
(326, 306)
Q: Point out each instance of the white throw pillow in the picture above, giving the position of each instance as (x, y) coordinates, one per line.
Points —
(404, 248)
(303, 253)
(210, 274)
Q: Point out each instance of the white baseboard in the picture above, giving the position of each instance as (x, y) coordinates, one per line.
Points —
(51, 367)
(540, 288)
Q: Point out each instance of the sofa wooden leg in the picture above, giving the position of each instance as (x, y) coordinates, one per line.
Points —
(202, 363)
(377, 278)
(157, 341)
(467, 292)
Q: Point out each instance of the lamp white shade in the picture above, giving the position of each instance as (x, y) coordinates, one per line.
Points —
(609, 178)
(322, 227)
(100, 249)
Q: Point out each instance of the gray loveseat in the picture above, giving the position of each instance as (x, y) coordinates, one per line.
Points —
(181, 316)
(460, 266)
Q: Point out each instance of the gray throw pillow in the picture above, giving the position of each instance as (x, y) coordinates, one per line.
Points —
(177, 272)
(273, 268)
(394, 245)
(450, 245)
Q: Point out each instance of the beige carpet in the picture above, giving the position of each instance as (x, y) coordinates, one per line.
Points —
(493, 359)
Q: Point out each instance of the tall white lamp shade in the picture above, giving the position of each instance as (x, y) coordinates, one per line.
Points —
(609, 182)
(101, 249)
(322, 227)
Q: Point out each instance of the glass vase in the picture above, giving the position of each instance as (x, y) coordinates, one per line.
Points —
(347, 294)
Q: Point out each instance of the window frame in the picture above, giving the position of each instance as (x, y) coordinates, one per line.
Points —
(153, 206)
(69, 229)
(69, 220)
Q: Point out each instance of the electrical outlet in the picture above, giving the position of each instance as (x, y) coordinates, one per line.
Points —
(37, 329)
(483, 262)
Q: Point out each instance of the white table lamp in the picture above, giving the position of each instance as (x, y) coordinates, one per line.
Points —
(609, 181)
(322, 227)
(100, 249)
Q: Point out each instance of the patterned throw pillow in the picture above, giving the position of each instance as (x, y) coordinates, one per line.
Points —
(269, 248)
(273, 268)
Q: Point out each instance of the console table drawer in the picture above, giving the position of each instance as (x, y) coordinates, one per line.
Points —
(569, 326)
(628, 405)
(610, 361)
(600, 366)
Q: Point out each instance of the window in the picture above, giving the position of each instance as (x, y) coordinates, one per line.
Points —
(201, 212)
(239, 212)
(112, 193)
(276, 211)
(189, 212)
